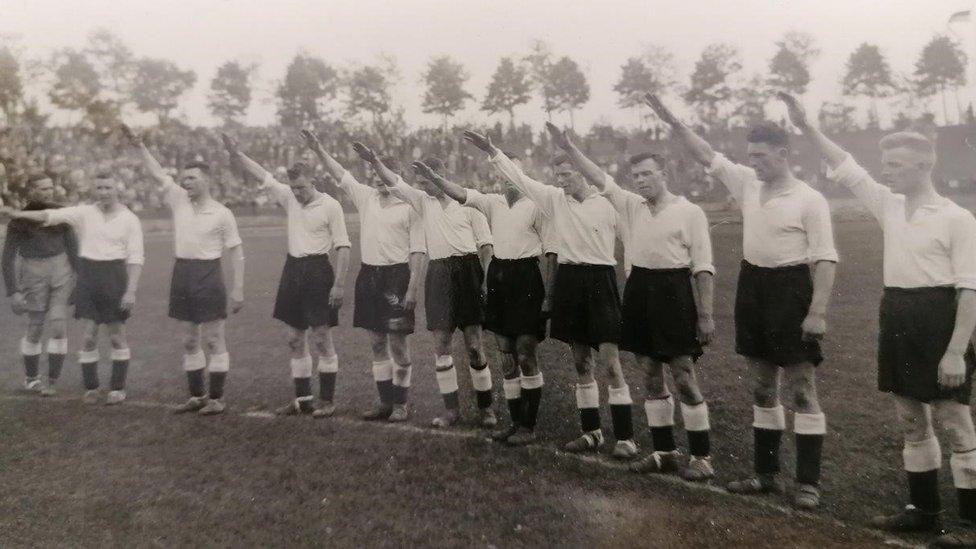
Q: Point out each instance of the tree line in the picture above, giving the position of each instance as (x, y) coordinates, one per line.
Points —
(105, 78)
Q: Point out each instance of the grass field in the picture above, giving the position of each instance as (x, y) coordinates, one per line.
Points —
(134, 475)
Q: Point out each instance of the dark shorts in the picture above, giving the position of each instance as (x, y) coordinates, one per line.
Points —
(515, 295)
(303, 293)
(770, 306)
(99, 291)
(197, 293)
(916, 325)
(380, 290)
(585, 305)
(660, 317)
(453, 297)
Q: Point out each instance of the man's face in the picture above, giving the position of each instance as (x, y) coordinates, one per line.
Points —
(650, 180)
(428, 187)
(768, 161)
(106, 191)
(303, 189)
(42, 191)
(566, 177)
(195, 182)
(904, 170)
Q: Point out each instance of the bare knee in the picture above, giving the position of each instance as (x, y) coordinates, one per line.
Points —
(191, 343)
(118, 341)
(398, 347)
(686, 383)
(379, 346)
(56, 330)
(764, 395)
(654, 381)
(525, 350)
(296, 342)
(34, 332)
(474, 355)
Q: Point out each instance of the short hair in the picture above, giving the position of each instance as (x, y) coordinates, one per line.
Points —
(197, 165)
(658, 158)
(912, 141)
(512, 155)
(37, 177)
(391, 162)
(561, 158)
(769, 133)
(435, 164)
(298, 169)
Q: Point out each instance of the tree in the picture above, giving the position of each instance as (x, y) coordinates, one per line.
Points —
(941, 64)
(445, 93)
(230, 92)
(157, 85)
(509, 88)
(565, 88)
(868, 75)
(76, 83)
(11, 87)
(652, 72)
(710, 89)
(368, 90)
(750, 102)
(789, 69)
(113, 61)
(303, 95)
(836, 117)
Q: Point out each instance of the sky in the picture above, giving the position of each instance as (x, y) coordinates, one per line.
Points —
(599, 35)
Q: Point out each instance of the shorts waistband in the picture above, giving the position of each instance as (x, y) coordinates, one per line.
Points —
(920, 291)
(102, 261)
(197, 261)
(586, 267)
(784, 269)
(669, 271)
(310, 257)
(457, 258)
(531, 259)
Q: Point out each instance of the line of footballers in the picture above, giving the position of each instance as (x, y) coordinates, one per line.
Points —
(508, 262)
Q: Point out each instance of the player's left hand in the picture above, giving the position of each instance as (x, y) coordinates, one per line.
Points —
(128, 301)
(706, 327)
(798, 116)
(814, 327)
(558, 136)
(423, 170)
(547, 306)
(364, 152)
(409, 301)
(335, 297)
(952, 370)
(236, 301)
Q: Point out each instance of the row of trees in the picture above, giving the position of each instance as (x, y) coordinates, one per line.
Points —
(105, 78)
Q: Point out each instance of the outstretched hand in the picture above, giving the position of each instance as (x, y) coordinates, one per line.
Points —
(559, 137)
(311, 140)
(423, 170)
(364, 152)
(483, 142)
(798, 116)
(130, 135)
(662, 112)
(229, 143)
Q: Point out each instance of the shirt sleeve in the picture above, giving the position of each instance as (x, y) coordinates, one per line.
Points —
(617, 195)
(337, 226)
(134, 247)
(71, 215)
(278, 190)
(539, 193)
(479, 224)
(358, 192)
(700, 243)
(418, 240)
(172, 193)
(478, 201)
(734, 176)
(819, 228)
(410, 195)
(962, 235)
(232, 236)
(868, 191)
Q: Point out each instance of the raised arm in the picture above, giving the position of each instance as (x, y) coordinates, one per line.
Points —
(537, 192)
(315, 145)
(149, 161)
(698, 147)
(450, 188)
(830, 151)
(386, 175)
(593, 173)
(250, 166)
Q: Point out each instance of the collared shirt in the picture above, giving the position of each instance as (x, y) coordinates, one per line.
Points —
(587, 230)
(103, 237)
(313, 229)
(791, 228)
(516, 230)
(450, 230)
(199, 233)
(936, 247)
(674, 237)
(387, 234)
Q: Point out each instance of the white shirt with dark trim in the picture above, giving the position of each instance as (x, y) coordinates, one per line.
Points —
(936, 247)
(673, 238)
(201, 233)
(102, 237)
(387, 234)
(587, 230)
(451, 230)
(516, 230)
(793, 226)
(315, 228)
